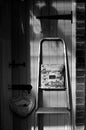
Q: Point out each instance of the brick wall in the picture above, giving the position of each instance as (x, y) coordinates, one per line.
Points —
(80, 62)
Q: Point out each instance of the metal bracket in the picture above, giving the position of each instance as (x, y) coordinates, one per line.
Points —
(57, 17)
(22, 87)
(14, 65)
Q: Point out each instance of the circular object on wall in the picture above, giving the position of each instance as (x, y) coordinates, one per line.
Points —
(23, 105)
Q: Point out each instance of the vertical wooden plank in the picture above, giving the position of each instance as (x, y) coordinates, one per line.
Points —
(73, 73)
(19, 56)
(21, 53)
(80, 18)
(6, 116)
(5, 53)
(0, 78)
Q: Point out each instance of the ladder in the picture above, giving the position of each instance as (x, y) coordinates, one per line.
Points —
(52, 77)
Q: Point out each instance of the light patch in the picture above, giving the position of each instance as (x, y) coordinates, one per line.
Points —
(35, 23)
(22, 27)
(55, 128)
(62, 6)
(32, 128)
(40, 4)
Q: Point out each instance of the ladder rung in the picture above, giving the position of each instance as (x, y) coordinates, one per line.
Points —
(53, 88)
(53, 110)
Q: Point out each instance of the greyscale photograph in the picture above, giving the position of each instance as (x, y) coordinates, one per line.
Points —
(42, 65)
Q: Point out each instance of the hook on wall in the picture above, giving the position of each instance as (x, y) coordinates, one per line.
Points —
(23, 87)
(15, 65)
(57, 17)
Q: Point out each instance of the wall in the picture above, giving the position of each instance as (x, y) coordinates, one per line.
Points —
(17, 36)
(12, 47)
(20, 54)
(80, 63)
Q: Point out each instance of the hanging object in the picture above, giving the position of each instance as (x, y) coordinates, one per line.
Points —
(52, 76)
(23, 104)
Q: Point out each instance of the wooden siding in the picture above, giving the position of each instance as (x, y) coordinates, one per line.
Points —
(80, 62)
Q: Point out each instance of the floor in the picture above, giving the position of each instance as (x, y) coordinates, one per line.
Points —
(80, 128)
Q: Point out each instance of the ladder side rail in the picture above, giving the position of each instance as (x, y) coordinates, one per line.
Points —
(68, 76)
(40, 60)
(69, 86)
(38, 76)
(40, 93)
